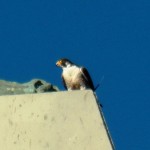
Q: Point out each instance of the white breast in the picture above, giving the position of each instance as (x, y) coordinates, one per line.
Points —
(71, 72)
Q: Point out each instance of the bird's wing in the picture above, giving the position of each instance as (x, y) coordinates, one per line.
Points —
(87, 77)
(64, 83)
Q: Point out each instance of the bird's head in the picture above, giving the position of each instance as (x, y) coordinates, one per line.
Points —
(64, 63)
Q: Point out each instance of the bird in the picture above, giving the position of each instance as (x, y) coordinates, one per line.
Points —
(74, 77)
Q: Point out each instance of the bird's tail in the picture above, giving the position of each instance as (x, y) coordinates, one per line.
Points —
(98, 85)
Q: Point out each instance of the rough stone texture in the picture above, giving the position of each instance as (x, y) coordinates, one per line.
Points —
(34, 86)
(52, 121)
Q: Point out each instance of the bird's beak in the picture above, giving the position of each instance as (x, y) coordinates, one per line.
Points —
(58, 63)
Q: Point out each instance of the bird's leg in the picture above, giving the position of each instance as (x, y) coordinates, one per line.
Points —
(69, 89)
(82, 88)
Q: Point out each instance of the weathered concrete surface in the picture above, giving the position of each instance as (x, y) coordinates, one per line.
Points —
(33, 86)
(52, 121)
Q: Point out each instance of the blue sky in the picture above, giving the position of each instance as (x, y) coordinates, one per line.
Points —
(110, 38)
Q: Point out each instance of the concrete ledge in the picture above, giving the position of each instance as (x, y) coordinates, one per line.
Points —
(52, 121)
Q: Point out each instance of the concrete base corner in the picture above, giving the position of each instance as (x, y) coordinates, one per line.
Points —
(52, 121)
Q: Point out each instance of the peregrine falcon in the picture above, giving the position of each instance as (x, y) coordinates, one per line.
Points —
(74, 77)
